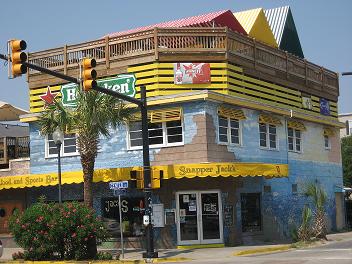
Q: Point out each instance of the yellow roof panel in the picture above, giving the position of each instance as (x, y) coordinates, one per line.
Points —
(256, 25)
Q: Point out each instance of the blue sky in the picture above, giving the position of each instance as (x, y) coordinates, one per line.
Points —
(324, 28)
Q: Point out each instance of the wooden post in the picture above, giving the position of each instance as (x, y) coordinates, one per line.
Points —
(65, 59)
(107, 53)
(306, 71)
(255, 53)
(287, 74)
(322, 78)
(156, 45)
(226, 43)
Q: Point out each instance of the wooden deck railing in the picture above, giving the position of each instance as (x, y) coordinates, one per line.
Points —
(13, 148)
(159, 41)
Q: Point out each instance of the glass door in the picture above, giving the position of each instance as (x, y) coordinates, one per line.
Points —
(211, 217)
(187, 214)
(199, 217)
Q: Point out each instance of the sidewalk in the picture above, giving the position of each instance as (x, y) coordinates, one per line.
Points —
(178, 255)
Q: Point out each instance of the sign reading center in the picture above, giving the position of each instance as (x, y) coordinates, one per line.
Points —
(124, 84)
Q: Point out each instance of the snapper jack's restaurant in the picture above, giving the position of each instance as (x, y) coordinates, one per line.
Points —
(193, 204)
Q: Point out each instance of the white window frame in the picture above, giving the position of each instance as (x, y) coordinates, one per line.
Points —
(267, 134)
(294, 137)
(165, 143)
(327, 147)
(228, 131)
(62, 153)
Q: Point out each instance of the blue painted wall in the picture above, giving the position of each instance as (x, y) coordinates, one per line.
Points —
(314, 164)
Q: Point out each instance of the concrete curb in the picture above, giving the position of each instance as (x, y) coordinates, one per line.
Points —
(262, 250)
(123, 261)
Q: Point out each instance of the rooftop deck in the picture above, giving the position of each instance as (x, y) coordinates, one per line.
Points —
(191, 45)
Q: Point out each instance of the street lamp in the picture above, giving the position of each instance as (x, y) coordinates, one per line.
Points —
(58, 137)
(346, 73)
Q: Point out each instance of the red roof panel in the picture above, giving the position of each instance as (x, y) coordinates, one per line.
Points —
(223, 18)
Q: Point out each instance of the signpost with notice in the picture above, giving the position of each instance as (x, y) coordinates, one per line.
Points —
(121, 185)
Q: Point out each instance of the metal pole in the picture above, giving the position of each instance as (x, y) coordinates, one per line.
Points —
(121, 228)
(346, 73)
(59, 169)
(147, 178)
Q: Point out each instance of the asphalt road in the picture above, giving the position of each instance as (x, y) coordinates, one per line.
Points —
(333, 253)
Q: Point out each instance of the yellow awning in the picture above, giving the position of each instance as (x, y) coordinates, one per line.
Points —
(296, 125)
(269, 119)
(226, 169)
(177, 171)
(329, 132)
(232, 113)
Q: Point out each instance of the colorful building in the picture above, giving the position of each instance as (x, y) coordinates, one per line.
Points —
(237, 129)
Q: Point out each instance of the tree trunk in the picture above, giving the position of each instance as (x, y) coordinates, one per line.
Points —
(88, 171)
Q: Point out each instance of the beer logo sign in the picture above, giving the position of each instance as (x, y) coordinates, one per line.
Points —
(124, 84)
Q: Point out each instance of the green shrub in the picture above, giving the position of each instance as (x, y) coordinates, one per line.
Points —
(51, 231)
(103, 255)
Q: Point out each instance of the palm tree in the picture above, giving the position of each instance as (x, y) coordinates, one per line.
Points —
(319, 197)
(94, 115)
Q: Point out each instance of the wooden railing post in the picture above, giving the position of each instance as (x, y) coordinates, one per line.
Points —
(65, 59)
(322, 78)
(156, 45)
(226, 42)
(107, 53)
(287, 74)
(306, 71)
(255, 53)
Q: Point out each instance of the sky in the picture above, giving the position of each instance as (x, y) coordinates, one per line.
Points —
(324, 28)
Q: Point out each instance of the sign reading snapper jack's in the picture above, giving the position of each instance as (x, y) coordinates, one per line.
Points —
(124, 84)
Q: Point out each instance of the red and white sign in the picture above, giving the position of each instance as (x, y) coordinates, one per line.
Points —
(191, 73)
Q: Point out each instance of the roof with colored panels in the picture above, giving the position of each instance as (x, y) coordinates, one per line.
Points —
(256, 25)
(283, 27)
(223, 18)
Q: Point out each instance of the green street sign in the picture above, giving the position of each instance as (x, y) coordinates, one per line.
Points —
(124, 84)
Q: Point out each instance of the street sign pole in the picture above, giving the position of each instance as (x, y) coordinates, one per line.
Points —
(121, 228)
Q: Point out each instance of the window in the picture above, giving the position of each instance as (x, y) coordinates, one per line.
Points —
(229, 130)
(161, 134)
(268, 136)
(327, 144)
(68, 147)
(294, 140)
(294, 188)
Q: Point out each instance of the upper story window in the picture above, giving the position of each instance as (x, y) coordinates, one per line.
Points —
(230, 125)
(268, 132)
(294, 135)
(68, 147)
(165, 129)
(327, 134)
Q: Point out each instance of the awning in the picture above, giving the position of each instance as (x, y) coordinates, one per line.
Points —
(177, 171)
(226, 169)
(9, 112)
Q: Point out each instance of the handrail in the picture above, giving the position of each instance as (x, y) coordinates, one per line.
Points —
(165, 40)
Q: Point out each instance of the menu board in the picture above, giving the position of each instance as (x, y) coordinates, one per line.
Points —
(228, 216)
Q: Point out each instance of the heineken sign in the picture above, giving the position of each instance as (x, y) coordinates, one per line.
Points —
(124, 84)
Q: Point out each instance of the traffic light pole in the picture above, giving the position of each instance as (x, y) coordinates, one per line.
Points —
(142, 103)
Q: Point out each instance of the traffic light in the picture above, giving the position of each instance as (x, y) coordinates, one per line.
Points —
(89, 74)
(157, 176)
(18, 57)
(137, 177)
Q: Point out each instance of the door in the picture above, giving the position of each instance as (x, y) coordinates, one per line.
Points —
(199, 217)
